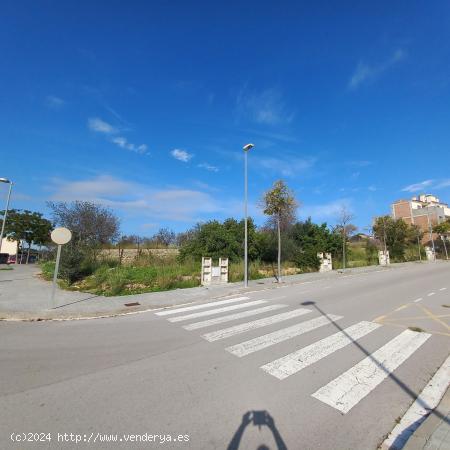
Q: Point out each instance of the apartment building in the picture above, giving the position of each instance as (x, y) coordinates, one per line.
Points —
(425, 211)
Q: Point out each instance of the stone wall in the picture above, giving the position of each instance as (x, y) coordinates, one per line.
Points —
(130, 254)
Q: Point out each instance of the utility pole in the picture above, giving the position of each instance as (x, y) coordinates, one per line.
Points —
(5, 180)
(246, 149)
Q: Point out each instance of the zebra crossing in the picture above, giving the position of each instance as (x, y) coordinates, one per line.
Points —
(343, 392)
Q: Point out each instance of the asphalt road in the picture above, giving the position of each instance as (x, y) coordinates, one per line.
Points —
(333, 367)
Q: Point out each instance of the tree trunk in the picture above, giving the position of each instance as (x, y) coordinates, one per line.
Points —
(343, 251)
(279, 250)
(21, 252)
(28, 252)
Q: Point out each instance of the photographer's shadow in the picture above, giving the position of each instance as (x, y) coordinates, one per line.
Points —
(258, 418)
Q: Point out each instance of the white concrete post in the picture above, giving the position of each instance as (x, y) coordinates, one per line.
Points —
(206, 271)
(383, 258)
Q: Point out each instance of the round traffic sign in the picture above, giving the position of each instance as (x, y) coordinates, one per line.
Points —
(61, 236)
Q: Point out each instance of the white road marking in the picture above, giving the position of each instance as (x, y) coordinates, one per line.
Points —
(243, 327)
(230, 317)
(430, 294)
(443, 289)
(418, 300)
(348, 389)
(401, 307)
(294, 362)
(211, 312)
(202, 306)
(260, 342)
(427, 400)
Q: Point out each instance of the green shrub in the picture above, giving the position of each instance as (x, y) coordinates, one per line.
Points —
(48, 269)
(76, 263)
(307, 260)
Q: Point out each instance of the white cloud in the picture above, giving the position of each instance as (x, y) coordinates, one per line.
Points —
(325, 211)
(208, 167)
(181, 155)
(174, 204)
(365, 72)
(266, 107)
(123, 143)
(429, 184)
(443, 184)
(103, 185)
(53, 102)
(416, 187)
(100, 126)
(285, 166)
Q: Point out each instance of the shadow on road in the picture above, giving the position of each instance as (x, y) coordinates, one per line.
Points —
(259, 419)
(399, 442)
(78, 301)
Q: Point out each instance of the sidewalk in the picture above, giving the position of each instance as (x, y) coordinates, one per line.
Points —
(434, 432)
(25, 296)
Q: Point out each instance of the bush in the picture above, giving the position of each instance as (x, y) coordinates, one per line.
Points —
(371, 253)
(75, 264)
(412, 253)
(307, 260)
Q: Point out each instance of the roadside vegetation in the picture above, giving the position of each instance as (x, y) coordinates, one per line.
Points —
(29, 229)
(100, 261)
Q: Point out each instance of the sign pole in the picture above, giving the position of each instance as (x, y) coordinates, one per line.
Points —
(60, 236)
(55, 277)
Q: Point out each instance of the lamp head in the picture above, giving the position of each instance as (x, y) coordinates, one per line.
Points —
(247, 147)
(5, 180)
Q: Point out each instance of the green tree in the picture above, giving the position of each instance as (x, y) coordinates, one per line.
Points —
(91, 224)
(27, 227)
(396, 234)
(310, 239)
(442, 228)
(216, 239)
(415, 237)
(280, 205)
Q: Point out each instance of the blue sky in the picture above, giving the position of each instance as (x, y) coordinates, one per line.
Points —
(145, 106)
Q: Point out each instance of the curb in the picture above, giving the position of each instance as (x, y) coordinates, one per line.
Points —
(33, 317)
(421, 409)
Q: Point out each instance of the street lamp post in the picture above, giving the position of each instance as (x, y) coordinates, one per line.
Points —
(246, 149)
(5, 180)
